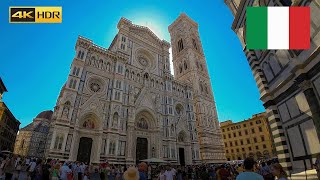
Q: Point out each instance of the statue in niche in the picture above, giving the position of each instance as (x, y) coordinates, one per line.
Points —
(65, 112)
(172, 129)
(115, 120)
(88, 124)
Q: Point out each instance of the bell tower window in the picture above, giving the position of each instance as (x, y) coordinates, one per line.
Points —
(180, 45)
(194, 44)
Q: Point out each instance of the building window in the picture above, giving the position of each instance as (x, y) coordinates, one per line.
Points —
(122, 149)
(222, 130)
(264, 146)
(248, 141)
(250, 149)
(257, 147)
(234, 135)
(230, 144)
(260, 129)
(237, 150)
(180, 45)
(252, 130)
(255, 140)
(231, 150)
(241, 142)
(262, 138)
(243, 150)
(123, 47)
(123, 39)
(251, 123)
(224, 136)
(236, 143)
(258, 122)
(194, 44)
(227, 151)
(246, 132)
(240, 133)
(225, 144)
(58, 142)
(112, 147)
(244, 125)
(229, 135)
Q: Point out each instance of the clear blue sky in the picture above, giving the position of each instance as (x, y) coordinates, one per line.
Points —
(35, 58)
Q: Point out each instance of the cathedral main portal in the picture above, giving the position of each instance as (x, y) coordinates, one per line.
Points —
(141, 149)
(84, 150)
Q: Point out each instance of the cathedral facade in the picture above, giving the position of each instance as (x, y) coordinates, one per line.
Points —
(122, 104)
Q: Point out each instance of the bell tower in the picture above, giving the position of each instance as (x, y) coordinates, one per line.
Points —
(190, 67)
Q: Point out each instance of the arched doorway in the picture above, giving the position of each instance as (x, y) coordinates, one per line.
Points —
(84, 150)
(144, 135)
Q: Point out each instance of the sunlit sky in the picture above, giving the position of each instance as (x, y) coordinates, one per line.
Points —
(35, 58)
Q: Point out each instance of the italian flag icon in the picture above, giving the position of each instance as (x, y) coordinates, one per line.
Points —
(278, 28)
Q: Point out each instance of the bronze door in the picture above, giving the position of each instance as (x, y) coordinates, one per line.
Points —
(181, 156)
(141, 149)
(84, 151)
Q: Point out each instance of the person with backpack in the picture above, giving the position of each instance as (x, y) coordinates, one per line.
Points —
(46, 170)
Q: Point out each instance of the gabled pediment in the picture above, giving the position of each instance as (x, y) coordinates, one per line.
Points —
(146, 34)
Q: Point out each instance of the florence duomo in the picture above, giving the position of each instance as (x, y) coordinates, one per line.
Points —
(122, 104)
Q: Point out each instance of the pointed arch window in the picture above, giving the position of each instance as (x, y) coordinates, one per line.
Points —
(194, 44)
(79, 54)
(185, 66)
(180, 45)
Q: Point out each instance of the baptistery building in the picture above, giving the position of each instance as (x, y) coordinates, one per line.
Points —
(122, 104)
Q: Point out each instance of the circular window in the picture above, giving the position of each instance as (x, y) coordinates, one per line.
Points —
(95, 87)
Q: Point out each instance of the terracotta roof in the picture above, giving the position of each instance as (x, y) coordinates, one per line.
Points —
(45, 114)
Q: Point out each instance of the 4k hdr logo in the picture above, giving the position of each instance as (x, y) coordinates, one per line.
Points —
(49, 14)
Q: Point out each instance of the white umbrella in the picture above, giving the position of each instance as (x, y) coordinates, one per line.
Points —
(6, 152)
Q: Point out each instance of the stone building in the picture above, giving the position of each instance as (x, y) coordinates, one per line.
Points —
(248, 138)
(9, 125)
(31, 139)
(122, 104)
(289, 85)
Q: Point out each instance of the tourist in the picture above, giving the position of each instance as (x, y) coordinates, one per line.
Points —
(317, 165)
(248, 174)
(142, 170)
(131, 174)
(18, 170)
(149, 172)
(277, 170)
(103, 171)
(46, 168)
(264, 171)
(64, 171)
(55, 172)
(170, 175)
(9, 168)
(31, 169)
(162, 176)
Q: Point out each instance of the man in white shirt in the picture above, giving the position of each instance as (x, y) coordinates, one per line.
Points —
(248, 174)
(170, 173)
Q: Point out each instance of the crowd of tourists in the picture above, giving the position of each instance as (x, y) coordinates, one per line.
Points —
(17, 168)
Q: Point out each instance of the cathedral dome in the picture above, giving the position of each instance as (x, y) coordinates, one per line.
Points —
(45, 114)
